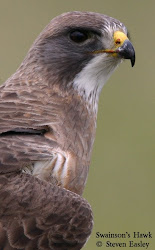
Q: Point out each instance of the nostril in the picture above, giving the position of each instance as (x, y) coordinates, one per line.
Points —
(118, 41)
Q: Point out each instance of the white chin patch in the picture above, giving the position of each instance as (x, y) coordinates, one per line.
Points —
(90, 81)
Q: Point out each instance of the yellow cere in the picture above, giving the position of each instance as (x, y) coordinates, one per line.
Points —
(119, 38)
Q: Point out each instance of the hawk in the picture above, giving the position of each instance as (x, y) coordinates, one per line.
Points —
(48, 111)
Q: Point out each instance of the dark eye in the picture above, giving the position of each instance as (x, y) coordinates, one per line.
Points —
(78, 36)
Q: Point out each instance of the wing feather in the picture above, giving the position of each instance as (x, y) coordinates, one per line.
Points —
(26, 111)
(59, 219)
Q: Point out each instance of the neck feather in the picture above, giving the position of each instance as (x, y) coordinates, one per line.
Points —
(90, 81)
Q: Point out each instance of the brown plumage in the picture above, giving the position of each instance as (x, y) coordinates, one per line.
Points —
(48, 114)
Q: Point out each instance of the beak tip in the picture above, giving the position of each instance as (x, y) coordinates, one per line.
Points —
(132, 61)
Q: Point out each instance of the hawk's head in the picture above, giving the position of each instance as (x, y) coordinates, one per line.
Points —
(80, 50)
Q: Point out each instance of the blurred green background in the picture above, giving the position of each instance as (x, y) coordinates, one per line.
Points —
(121, 183)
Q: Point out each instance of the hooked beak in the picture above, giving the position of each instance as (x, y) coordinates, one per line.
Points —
(127, 51)
(123, 48)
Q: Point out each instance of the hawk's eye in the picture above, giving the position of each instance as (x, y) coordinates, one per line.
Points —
(78, 36)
